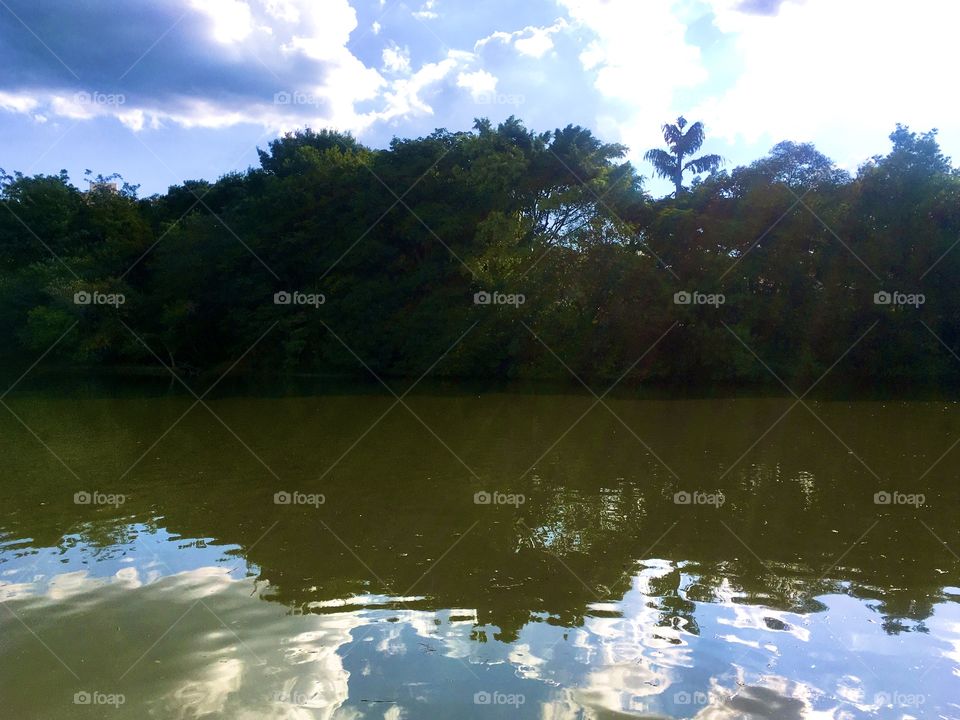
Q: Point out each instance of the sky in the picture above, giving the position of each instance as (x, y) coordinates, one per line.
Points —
(164, 91)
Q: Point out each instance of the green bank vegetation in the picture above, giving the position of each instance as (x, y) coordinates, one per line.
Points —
(399, 242)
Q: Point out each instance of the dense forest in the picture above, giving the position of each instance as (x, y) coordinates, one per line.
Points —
(497, 253)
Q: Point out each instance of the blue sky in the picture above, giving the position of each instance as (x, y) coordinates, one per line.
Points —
(163, 91)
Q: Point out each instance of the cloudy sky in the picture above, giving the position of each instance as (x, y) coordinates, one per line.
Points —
(167, 90)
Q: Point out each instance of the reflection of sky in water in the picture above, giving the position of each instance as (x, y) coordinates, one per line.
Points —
(138, 554)
(222, 652)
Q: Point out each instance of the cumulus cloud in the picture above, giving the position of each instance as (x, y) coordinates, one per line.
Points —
(396, 58)
(406, 96)
(426, 11)
(206, 63)
(532, 41)
(481, 84)
(755, 71)
(231, 19)
(17, 103)
(843, 71)
(639, 58)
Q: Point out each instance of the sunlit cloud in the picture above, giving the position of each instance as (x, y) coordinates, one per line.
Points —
(479, 83)
(751, 70)
(877, 68)
(531, 41)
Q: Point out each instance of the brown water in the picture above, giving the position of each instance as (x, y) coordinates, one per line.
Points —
(582, 590)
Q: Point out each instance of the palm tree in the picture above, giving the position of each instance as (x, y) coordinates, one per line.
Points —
(670, 165)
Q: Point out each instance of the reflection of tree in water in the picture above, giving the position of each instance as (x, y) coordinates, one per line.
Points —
(675, 610)
(593, 513)
(895, 626)
(568, 550)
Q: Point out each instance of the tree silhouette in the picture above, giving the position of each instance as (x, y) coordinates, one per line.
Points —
(670, 165)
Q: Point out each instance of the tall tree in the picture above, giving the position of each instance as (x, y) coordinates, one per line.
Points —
(671, 165)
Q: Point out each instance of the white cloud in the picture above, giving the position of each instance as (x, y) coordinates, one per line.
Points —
(639, 58)
(395, 58)
(480, 83)
(282, 10)
(375, 28)
(21, 103)
(426, 11)
(133, 119)
(232, 19)
(499, 35)
(347, 80)
(532, 41)
(539, 42)
(294, 29)
(405, 95)
(323, 35)
(839, 73)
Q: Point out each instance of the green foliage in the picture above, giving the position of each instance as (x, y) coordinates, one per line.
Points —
(398, 241)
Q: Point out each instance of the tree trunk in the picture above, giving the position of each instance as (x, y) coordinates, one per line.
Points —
(678, 177)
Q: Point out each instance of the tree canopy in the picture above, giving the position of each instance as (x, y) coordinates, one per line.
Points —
(501, 252)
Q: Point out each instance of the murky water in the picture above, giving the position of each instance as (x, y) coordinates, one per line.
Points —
(502, 555)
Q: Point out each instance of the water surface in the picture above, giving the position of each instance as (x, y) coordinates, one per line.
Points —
(388, 588)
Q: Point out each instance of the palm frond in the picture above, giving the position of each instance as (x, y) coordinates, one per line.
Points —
(704, 163)
(672, 135)
(692, 139)
(664, 164)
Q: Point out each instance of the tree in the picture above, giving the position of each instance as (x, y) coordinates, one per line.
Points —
(290, 154)
(401, 240)
(798, 165)
(670, 165)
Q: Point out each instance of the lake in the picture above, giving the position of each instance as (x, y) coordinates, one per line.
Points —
(486, 555)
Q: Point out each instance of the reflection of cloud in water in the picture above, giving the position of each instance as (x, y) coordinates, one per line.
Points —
(622, 686)
(528, 664)
(15, 591)
(216, 673)
(949, 633)
(317, 682)
(207, 694)
(68, 585)
(773, 698)
(302, 676)
(361, 601)
(630, 656)
(621, 659)
(756, 617)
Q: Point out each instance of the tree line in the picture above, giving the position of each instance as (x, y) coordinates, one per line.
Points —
(499, 252)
